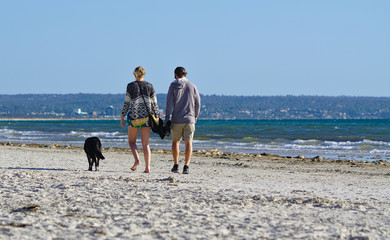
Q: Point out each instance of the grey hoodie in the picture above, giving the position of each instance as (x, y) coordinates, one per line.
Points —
(183, 102)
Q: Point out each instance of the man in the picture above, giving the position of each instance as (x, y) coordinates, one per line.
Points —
(183, 106)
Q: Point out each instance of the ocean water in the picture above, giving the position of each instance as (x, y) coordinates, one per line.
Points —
(363, 140)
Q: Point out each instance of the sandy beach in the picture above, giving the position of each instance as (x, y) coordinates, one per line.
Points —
(46, 193)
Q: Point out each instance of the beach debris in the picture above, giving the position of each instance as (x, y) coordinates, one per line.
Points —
(241, 165)
(298, 191)
(20, 225)
(29, 208)
(359, 238)
(214, 152)
(380, 162)
(269, 155)
(259, 198)
(318, 159)
(97, 230)
(169, 179)
(54, 146)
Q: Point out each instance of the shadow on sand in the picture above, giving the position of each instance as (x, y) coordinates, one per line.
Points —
(40, 169)
(56, 169)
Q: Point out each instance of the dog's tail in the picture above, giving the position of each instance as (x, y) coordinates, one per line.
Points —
(100, 155)
(98, 151)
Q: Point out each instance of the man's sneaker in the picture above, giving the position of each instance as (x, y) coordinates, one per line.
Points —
(186, 169)
(175, 168)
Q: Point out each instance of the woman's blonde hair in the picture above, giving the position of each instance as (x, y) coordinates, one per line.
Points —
(139, 72)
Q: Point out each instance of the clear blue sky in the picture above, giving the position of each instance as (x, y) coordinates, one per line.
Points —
(281, 47)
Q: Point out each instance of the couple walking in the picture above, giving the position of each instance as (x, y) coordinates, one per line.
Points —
(182, 108)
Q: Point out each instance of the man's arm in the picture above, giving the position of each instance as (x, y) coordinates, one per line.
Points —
(197, 103)
(169, 106)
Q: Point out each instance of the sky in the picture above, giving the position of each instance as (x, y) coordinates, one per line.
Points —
(242, 47)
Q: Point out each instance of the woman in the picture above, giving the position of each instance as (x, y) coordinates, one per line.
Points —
(139, 101)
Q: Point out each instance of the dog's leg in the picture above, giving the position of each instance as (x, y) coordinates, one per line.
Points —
(97, 164)
(94, 162)
(90, 163)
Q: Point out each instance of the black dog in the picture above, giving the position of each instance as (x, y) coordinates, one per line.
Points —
(93, 149)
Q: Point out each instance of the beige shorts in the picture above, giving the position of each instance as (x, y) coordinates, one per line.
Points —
(183, 131)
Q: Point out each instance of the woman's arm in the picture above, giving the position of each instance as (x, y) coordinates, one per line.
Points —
(126, 106)
(153, 103)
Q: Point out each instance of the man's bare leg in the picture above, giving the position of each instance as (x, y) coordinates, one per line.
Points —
(175, 151)
(188, 152)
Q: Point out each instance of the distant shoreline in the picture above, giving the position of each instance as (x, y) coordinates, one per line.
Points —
(55, 119)
(206, 119)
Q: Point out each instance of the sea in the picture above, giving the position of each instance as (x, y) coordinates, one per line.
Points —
(361, 140)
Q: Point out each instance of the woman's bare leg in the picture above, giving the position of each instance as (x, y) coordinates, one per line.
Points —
(132, 135)
(145, 134)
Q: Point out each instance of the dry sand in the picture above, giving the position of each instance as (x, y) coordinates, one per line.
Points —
(48, 194)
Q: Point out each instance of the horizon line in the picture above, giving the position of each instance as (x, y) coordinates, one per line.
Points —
(219, 95)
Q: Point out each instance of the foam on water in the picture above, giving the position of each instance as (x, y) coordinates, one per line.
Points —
(359, 140)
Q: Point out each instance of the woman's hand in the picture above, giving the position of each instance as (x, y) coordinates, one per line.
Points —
(123, 121)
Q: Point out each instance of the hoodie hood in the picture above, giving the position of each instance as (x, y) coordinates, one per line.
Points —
(179, 83)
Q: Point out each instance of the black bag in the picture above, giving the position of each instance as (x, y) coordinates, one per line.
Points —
(156, 123)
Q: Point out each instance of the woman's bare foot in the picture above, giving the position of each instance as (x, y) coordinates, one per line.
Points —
(134, 167)
(147, 171)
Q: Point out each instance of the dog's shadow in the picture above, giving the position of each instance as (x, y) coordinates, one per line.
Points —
(40, 169)
(50, 169)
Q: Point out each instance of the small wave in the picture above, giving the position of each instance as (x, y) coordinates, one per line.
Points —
(240, 144)
(249, 139)
(203, 138)
(30, 138)
(16, 132)
(380, 143)
(6, 130)
(307, 142)
(100, 134)
(313, 145)
(377, 151)
(200, 141)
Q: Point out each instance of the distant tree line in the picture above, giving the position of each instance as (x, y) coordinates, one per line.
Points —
(212, 106)
(296, 107)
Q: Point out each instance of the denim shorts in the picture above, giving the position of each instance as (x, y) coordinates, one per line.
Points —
(130, 124)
